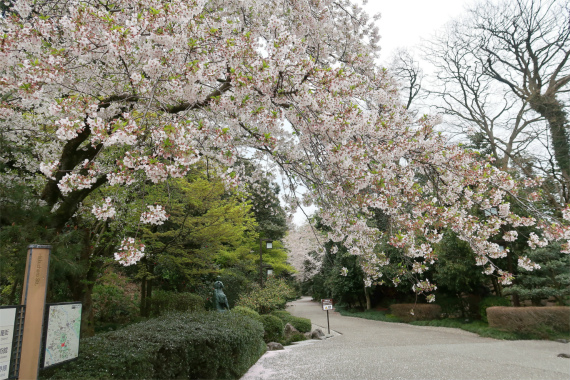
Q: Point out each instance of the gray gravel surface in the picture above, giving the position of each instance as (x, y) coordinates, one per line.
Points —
(365, 349)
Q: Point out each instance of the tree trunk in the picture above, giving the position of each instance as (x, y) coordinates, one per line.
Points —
(367, 295)
(497, 287)
(149, 296)
(82, 286)
(551, 109)
(143, 307)
(515, 297)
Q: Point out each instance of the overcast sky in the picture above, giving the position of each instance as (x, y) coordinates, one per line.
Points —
(403, 23)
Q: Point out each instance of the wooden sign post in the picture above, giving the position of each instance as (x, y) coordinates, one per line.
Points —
(34, 298)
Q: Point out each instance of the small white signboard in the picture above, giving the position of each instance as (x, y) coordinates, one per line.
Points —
(7, 322)
(62, 338)
(327, 303)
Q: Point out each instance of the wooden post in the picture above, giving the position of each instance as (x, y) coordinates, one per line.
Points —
(34, 297)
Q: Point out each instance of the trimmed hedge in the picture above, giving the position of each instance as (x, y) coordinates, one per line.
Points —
(530, 319)
(247, 312)
(179, 345)
(273, 327)
(163, 302)
(302, 324)
(421, 311)
(488, 302)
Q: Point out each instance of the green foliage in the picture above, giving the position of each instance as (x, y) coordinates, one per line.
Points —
(208, 228)
(274, 295)
(330, 283)
(491, 301)
(302, 324)
(235, 283)
(294, 338)
(455, 270)
(247, 312)
(551, 280)
(451, 305)
(369, 314)
(273, 327)
(179, 345)
(163, 302)
(482, 329)
(115, 298)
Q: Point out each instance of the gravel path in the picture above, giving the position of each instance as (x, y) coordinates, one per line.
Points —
(363, 349)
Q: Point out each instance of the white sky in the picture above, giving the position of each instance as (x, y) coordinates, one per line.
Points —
(403, 24)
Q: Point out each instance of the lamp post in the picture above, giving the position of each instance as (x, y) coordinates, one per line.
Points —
(269, 245)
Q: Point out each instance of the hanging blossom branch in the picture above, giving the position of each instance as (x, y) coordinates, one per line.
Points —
(108, 96)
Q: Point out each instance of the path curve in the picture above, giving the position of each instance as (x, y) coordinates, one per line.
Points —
(372, 350)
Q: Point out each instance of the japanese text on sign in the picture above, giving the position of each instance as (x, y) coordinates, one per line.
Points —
(7, 320)
(327, 303)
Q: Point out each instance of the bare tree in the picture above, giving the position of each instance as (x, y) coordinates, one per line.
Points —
(409, 75)
(502, 74)
(525, 45)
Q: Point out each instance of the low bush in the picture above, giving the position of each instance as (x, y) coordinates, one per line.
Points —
(451, 306)
(408, 312)
(115, 299)
(247, 312)
(273, 327)
(274, 295)
(163, 302)
(179, 345)
(531, 319)
(488, 302)
(302, 324)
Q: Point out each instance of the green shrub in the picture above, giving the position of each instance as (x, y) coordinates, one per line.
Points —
(115, 298)
(273, 327)
(451, 306)
(302, 324)
(179, 345)
(491, 301)
(294, 338)
(163, 302)
(274, 295)
(247, 312)
(284, 315)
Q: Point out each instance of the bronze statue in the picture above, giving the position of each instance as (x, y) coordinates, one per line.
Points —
(220, 299)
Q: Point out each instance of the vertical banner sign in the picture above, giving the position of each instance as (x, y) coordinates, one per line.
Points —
(7, 328)
(34, 297)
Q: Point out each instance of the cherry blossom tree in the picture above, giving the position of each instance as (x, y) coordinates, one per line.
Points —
(305, 250)
(118, 93)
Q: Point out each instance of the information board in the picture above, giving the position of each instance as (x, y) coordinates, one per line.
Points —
(62, 337)
(327, 303)
(7, 326)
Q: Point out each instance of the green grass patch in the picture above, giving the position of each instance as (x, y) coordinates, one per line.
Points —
(374, 315)
(482, 329)
(478, 327)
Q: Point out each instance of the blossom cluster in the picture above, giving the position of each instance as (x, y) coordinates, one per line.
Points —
(155, 215)
(105, 210)
(129, 252)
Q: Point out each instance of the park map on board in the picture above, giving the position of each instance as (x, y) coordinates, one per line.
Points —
(62, 338)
